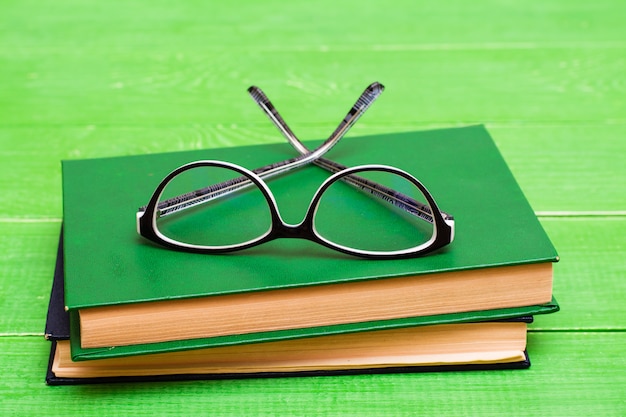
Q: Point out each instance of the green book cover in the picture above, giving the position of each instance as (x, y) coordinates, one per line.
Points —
(108, 263)
(79, 353)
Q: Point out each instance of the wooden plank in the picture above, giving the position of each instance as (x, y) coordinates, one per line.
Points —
(589, 282)
(148, 88)
(563, 380)
(274, 24)
(575, 167)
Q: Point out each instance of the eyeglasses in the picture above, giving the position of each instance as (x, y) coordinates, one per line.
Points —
(238, 210)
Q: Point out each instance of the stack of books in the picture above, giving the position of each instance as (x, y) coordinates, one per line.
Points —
(124, 309)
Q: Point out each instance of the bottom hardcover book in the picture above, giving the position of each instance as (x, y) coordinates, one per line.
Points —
(455, 346)
(475, 346)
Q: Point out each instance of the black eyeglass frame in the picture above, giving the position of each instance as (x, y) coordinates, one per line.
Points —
(147, 220)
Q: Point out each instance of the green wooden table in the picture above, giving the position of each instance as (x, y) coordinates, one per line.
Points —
(547, 78)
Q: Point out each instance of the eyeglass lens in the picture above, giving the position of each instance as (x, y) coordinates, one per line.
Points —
(229, 219)
(350, 216)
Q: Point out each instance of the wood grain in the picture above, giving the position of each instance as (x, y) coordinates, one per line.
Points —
(434, 86)
(589, 279)
(94, 79)
(274, 24)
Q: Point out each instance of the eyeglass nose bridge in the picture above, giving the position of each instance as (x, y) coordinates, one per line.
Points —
(303, 230)
(280, 229)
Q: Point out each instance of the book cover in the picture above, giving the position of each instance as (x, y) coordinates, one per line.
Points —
(108, 264)
(57, 319)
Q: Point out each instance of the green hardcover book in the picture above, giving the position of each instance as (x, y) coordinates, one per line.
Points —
(122, 290)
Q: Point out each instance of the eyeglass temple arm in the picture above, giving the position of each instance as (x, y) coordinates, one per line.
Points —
(366, 99)
(208, 193)
(396, 198)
